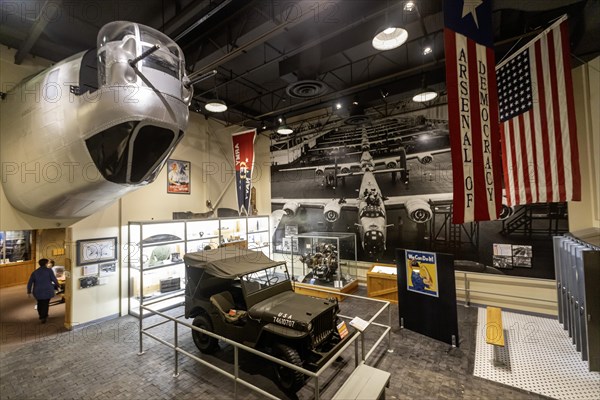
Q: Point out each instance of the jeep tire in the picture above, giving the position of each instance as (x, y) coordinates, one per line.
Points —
(289, 380)
(204, 343)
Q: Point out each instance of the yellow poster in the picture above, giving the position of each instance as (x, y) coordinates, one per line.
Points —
(421, 272)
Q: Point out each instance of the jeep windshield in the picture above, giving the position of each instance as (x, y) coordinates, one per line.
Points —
(255, 281)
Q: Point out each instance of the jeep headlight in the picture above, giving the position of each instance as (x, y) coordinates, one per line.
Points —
(309, 326)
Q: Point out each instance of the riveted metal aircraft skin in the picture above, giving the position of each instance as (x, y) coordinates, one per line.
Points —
(96, 126)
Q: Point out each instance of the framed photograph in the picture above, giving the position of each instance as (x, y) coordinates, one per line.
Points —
(178, 176)
(93, 251)
(109, 268)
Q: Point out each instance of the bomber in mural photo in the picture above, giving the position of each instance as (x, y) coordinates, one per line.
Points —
(371, 174)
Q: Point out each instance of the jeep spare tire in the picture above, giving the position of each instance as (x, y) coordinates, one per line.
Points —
(204, 343)
(288, 379)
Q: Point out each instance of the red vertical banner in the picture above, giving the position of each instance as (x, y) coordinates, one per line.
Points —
(472, 110)
(243, 157)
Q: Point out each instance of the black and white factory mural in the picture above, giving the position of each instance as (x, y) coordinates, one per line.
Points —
(389, 182)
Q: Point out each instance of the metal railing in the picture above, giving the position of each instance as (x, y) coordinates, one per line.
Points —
(237, 346)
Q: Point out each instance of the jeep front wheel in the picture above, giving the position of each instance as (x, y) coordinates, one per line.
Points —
(288, 379)
(204, 343)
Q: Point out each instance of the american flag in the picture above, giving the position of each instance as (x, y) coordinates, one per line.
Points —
(537, 121)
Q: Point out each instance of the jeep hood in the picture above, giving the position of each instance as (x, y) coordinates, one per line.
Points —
(290, 309)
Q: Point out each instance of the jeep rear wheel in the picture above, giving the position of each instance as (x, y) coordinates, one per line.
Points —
(204, 343)
(288, 379)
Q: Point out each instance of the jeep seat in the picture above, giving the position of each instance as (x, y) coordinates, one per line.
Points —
(224, 303)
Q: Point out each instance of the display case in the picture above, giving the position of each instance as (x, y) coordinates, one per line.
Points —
(156, 250)
(156, 269)
(259, 234)
(326, 260)
(202, 235)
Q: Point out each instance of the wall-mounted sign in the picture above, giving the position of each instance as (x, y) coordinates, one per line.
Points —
(507, 256)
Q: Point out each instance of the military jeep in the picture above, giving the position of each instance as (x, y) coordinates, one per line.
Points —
(247, 297)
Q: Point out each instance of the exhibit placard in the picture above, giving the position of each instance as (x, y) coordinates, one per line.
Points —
(427, 294)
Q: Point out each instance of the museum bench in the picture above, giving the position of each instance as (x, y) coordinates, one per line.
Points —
(494, 333)
(365, 383)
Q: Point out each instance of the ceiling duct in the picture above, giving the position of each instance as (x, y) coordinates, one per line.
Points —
(306, 89)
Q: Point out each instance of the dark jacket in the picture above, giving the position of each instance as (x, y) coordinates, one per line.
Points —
(43, 281)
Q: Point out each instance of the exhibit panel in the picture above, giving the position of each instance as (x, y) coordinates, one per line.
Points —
(577, 275)
(427, 294)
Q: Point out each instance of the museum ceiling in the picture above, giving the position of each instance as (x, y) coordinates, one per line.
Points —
(294, 60)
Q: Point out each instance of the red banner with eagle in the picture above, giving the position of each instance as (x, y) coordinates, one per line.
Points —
(243, 157)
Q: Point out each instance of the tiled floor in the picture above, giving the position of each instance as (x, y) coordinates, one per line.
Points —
(101, 362)
(539, 356)
(19, 322)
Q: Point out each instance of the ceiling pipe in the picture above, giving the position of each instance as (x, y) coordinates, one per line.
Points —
(47, 14)
(307, 46)
(255, 42)
(202, 19)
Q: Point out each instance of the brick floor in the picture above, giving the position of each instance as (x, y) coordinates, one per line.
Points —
(101, 362)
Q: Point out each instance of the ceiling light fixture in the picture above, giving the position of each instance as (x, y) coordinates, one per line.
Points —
(427, 50)
(338, 106)
(284, 130)
(216, 106)
(425, 93)
(388, 38)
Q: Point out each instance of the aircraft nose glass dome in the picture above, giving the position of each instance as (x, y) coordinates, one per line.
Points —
(373, 242)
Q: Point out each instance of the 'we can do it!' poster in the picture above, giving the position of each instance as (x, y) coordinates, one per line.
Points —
(421, 272)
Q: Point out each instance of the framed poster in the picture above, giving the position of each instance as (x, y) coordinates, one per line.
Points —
(178, 176)
(421, 272)
(93, 251)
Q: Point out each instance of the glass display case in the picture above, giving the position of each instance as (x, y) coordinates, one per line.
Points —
(259, 234)
(326, 259)
(156, 269)
(156, 250)
(202, 235)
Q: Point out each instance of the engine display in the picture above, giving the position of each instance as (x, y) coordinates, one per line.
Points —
(323, 263)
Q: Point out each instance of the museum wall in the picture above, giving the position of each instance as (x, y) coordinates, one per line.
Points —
(586, 82)
(100, 301)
